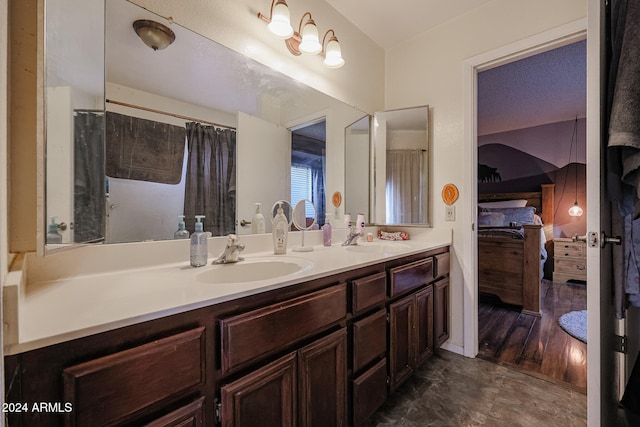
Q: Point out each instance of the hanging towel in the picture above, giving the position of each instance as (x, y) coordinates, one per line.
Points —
(144, 150)
(623, 153)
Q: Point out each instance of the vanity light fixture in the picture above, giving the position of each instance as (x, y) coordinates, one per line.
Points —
(575, 210)
(332, 52)
(306, 39)
(154, 34)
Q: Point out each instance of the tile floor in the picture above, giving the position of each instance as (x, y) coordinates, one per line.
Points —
(452, 390)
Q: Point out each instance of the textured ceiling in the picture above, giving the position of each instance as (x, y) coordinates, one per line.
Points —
(545, 88)
(389, 23)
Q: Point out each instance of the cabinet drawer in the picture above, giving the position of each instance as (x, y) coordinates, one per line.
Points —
(441, 265)
(368, 292)
(369, 392)
(109, 389)
(411, 276)
(250, 336)
(369, 339)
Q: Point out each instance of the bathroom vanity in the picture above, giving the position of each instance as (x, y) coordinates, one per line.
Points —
(325, 350)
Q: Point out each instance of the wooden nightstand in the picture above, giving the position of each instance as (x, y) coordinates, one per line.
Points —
(569, 260)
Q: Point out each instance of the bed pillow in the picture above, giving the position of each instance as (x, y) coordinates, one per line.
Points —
(493, 219)
(519, 203)
(519, 216)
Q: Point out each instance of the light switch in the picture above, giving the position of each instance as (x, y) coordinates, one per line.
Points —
(450, 213)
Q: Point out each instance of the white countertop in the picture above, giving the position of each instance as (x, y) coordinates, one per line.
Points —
(54, 311)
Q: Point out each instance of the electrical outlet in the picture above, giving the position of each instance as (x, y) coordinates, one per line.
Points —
(450, 213)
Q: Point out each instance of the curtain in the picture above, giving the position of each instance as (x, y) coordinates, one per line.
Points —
(210, 187)
(404, 187)
(89, 204)
(318, 189)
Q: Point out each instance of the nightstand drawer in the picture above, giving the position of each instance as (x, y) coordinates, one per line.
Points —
(567, 248)
(570, 265)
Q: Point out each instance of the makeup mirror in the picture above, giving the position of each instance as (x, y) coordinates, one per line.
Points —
(304, 218)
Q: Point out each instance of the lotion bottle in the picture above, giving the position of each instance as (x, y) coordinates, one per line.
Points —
(198, 251)
(326, 231)
(257, 223)
(279, 230)
(182, 232)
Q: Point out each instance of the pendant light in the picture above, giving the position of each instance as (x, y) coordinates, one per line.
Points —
(575, 210)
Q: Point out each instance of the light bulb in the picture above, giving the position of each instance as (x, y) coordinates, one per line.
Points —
(333, 54)
(280, 24)
(310, 43)
(575, 210)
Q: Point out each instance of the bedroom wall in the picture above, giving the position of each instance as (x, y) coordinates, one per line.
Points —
(524, 159)
(429, 69)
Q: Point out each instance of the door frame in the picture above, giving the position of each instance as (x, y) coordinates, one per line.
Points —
(554, 38)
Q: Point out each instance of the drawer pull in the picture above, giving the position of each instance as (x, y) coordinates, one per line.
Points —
(581, 267)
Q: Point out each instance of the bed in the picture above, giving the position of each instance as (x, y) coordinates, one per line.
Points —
(511, 247)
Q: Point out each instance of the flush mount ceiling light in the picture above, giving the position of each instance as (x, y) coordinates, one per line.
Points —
(154, 34)
(305, 40)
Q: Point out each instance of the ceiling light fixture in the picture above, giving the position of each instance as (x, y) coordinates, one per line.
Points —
(575, 210)
(305, 40)
(154, 34)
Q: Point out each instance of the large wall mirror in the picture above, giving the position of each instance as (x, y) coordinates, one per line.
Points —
(120, 115)
(402, 166)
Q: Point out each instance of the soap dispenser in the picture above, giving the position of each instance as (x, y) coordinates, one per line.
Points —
(198, 251)
(280, 228)
(182, 232)
(257, 223)
(53, 236)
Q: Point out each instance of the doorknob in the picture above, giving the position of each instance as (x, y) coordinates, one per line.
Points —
(610, 240)
(592, 239)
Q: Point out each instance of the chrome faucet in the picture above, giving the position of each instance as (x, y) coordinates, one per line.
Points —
(231, 253)
(352, 237)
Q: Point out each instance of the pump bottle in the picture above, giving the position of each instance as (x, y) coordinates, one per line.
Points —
(198, 250)
(181, 233)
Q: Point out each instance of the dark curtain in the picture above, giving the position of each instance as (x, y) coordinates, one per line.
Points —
(210, 187)
(622, 119)
(318, 190)
(89, 203)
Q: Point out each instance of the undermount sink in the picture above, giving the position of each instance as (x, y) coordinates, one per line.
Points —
(252, 270)
(380, 248)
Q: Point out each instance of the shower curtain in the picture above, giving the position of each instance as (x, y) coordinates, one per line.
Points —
(210, 187)
(89, 204)
(404, 187)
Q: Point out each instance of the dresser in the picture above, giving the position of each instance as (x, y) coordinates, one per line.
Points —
(569, 260)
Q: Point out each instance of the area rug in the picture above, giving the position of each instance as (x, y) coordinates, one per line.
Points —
(575, 324)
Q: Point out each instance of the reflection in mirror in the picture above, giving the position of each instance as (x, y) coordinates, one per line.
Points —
(287, 211)
(308, 165)
(304, 218)
(74, 121)
(357, 161)
(192, 80)
(401, 139)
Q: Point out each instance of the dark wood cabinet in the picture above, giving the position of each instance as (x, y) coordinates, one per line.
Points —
(326, 352)
(441, 312)
(266, 397)
(322, 381)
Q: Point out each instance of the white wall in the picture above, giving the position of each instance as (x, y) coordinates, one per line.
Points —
(234, 23)
(428, 69)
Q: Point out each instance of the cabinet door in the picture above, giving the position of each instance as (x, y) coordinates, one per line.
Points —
(424, 325)
(191, 415)
(265, 397)
(322, 373)
(401, 340)
(441, 312)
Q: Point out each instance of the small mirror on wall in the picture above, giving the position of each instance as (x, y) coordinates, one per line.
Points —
(402, 166)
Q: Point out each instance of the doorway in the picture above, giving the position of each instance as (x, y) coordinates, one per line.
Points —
(531, 134)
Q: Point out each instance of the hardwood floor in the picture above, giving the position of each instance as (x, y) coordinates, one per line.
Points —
(536, 345)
